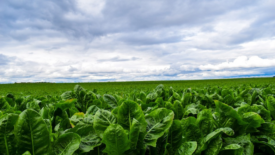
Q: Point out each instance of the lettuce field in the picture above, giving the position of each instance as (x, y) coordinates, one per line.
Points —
(209, 117)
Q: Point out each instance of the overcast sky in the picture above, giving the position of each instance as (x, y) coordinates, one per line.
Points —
(127, 40)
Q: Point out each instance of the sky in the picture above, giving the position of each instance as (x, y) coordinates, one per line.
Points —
(135, 40)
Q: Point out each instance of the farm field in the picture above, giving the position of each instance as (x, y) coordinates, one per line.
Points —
(198, 117)
(109, 87)
(72, 77)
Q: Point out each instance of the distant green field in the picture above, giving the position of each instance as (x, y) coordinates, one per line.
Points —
(109, 87)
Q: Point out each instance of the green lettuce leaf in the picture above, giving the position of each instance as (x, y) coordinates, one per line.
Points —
(102, 120)
(110, 100)
(66, 144)
(32, 134)
(7, 122)
(89, 138)
(159, 121)
(175, 136)
(116, 140)
(128, 111)
(187, 148)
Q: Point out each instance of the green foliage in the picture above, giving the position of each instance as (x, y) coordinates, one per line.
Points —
(134, 133)
(116, 140)
(110, 100)
(128, 111)
(7, 123)
(32, 134)
(159, 121)
(187, 148)
(207, 120)
(175, 137)
(4, 105)
(271, 105)
(89, 138)
(102, 120)
(66, 144)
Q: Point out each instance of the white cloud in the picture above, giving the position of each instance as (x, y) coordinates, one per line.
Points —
(188, 68)
(91, 40)
(91, 7)
(241, 62)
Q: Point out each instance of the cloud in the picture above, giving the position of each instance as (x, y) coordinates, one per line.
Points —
(4, 60)
(241, 62)
(90, 19)
(115, 59)
(95, 40)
